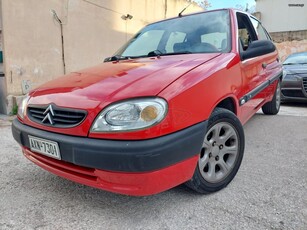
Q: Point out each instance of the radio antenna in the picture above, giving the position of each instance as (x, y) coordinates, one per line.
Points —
(180, 14)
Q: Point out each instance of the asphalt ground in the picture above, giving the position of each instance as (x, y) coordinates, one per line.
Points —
(269, 191)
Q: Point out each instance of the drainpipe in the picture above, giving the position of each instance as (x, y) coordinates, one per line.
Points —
(55, 16)
(165, 9)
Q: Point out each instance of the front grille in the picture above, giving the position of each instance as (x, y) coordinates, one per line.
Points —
(305, 84)
(293, 93)
(54, 116)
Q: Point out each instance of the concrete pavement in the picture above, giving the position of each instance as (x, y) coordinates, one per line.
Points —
(269, 191)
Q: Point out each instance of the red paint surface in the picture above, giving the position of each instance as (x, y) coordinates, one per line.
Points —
(136, 184)
(193, 85)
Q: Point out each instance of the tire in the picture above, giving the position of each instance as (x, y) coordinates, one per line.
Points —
(221, 153)
(272, 107)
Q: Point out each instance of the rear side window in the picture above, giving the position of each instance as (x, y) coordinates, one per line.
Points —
(261, 33)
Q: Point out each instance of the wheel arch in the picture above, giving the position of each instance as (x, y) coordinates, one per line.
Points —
(228, 103)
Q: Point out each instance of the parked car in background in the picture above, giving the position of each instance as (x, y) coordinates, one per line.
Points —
(166, 109)
(294, 83)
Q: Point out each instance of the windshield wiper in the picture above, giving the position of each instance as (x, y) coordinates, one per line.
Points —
(181, 52)
(157, 53)
(115, 58)
(154, 53)
(290, 63)
(178, 53)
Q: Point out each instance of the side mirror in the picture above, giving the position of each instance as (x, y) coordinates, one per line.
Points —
(258, 48)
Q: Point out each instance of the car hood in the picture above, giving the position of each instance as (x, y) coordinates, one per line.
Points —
(108, 82)
(296, 69)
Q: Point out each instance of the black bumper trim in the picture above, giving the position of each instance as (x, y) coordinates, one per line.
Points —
(121, 155)
(258, 89)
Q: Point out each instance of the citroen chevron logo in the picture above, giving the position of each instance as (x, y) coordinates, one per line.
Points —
(49, 115)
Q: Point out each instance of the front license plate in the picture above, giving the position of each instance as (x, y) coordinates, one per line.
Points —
(46, 147)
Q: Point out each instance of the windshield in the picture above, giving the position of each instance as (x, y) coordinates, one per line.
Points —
(298, 58)
(199, 33)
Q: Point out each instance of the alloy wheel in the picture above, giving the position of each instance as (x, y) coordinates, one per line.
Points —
(219, 152)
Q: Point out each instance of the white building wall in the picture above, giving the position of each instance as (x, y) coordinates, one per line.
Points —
(283, 15)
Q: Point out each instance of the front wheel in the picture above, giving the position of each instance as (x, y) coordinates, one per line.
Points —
(221, 153)
(272, 107)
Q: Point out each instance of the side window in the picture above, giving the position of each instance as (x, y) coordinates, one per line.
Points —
(246, 31)
(259, 30)
(174, 37)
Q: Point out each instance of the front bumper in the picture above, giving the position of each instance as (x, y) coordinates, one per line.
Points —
(129, 167)
(294, 90)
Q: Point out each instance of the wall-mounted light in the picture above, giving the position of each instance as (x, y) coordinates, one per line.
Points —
(125, 17)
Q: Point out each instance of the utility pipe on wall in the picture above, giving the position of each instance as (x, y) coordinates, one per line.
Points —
(55, 16)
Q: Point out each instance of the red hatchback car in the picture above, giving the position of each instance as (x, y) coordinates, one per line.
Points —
(166, 109)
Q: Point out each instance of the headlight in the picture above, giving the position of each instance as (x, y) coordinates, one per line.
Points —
(22, 107)
(284, 73)
(131, 115)
(289, 76)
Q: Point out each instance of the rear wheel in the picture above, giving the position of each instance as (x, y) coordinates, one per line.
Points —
(272, 107)
(221, 153)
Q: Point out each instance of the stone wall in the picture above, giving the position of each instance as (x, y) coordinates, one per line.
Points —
(288, 47)
(289, 36)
